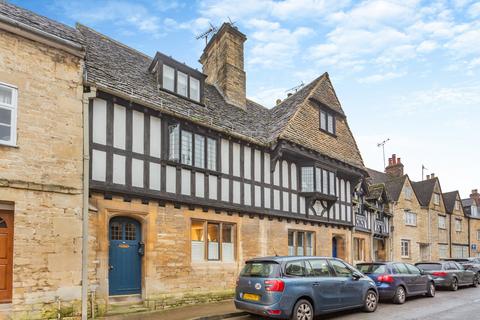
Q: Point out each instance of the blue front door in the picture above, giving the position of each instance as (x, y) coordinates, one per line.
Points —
(334, 247)
(125, 257)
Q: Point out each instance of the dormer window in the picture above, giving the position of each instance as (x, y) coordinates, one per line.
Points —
(327, 121)
(178, 78)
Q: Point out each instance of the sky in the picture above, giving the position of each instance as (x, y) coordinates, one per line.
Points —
(408, 71)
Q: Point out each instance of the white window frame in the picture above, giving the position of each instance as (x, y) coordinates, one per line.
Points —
(436, 198)
(457, 205)
(180, 77)
(408, 193)
(194, 95)
(164, 72)
(458, 225)
(408, 218)
(405, 248)
(13, 106)
(442, 225)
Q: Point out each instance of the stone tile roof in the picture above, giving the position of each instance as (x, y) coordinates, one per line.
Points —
(112, 66)
(424, 190)
(40, 22)
(449, 199)
(375, 191)
(393, 185)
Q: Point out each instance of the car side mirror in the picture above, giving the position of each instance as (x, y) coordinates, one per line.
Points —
(356, 275)
(422, 272)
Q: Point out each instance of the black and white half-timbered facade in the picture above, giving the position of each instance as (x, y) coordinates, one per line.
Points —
(188, 178)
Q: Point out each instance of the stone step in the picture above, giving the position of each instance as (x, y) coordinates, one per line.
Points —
(126, 299)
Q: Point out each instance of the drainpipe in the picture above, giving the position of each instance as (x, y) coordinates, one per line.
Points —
(86, 176)
(450, 235)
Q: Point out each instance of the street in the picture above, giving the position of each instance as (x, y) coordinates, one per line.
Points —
(463, 304)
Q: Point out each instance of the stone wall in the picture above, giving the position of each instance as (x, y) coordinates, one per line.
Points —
(474, 228)
(416, 234)
(170, 277)
(41, 178)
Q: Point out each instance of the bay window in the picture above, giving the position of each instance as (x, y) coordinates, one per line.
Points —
(317, 179)
(212, 241)
(8, 115)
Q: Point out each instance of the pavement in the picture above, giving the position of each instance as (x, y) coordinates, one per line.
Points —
(463, 304)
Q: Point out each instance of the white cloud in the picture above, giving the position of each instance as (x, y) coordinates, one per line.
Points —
(427, 46)
(474, 10)
(274, 46)
(381, 77)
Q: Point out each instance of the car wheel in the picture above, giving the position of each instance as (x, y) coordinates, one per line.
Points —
(431, 290)
(454, 285)
(475, 281)
(371, 301)
(400, 295)
(303, 310)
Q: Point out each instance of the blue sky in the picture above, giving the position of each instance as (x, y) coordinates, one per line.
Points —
(405, 70)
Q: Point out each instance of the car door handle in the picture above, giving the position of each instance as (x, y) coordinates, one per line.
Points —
(316, 284)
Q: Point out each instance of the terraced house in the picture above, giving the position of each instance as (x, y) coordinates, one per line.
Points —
(41, 172)
(458, 225)
(471, 207)
(189, 177)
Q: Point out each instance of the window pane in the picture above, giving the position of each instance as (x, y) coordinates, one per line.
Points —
(211, 154)
(168, 78)
(5, 133)
(318, 179)
(291, 243)
(198, 247)
(341, 269)
(182, 79)
(115, 231)
(330, 124)
(300, 236)
(228, 242)
(199, 151)
(130, 231)
(309, 244)
(5, 95)
(295, 269)
(325, 181)
(194, 89)
(186, 148)
(332, 183)
(323, 120)
(174, 135)
(307, 179)
(319, 268)
(5, 116)
(213, 241)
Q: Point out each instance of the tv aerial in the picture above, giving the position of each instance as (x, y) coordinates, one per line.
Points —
(211, 30)
(296, 88)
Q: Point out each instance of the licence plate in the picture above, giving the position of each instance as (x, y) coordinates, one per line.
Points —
(249, 296)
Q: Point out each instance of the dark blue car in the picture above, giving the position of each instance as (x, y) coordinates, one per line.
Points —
(301, 287)
(397, 280)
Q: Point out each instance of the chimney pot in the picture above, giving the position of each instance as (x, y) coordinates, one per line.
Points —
(278, 101)
(432, 175)
(474, 191)
(428, 177)
(395, 166)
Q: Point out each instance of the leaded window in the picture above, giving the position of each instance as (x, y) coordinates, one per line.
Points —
(211, 154)
(186, 151)
(199, 151)
(174, 139)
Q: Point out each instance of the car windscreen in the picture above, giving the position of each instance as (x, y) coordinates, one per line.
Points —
(429, 266)
(372, 268)
(261, 269)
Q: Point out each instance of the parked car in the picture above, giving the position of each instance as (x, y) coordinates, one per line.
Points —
(302, 287)
(468, 263)
(449, 274)
(397, 280)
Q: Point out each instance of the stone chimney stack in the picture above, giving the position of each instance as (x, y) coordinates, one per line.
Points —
(222, 61)
(475, 196)
(395, 167)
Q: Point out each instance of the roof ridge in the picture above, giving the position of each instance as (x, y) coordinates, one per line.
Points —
(80, 25)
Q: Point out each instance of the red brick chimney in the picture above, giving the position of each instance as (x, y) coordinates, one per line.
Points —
(475, 196)
(395, 166)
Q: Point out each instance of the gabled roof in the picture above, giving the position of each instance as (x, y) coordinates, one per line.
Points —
(393, 185)
(38, 22)
(115, 68)
(424, 190)
(467, 202)
(449, 199)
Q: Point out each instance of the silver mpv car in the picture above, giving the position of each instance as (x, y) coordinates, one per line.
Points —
(302, 287)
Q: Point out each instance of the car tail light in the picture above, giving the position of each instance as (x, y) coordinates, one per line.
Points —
(274, 312)
(385, 278)
(274, 285)
(439, 274)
